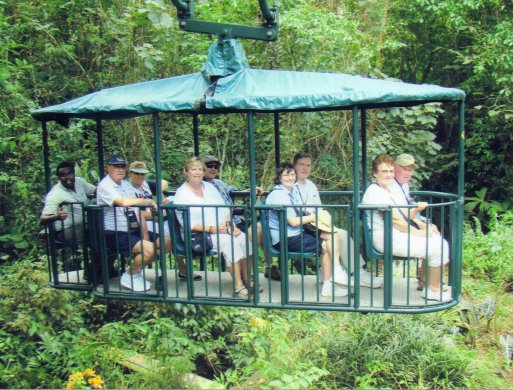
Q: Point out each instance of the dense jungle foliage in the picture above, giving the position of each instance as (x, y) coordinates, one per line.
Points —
(54, 50)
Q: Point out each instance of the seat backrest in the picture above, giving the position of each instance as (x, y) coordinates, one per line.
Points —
(177, 243)
(266, 233)
(370, 251)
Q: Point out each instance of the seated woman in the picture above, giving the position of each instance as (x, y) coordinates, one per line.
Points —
(227, 239)
(137, 177)
(407, 239)
(285, 193)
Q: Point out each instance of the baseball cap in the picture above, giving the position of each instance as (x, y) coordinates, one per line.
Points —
(405, 160)
(116, 159)
(138, 167)
(209, 159)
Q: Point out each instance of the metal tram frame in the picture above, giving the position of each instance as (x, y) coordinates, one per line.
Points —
(450, 205)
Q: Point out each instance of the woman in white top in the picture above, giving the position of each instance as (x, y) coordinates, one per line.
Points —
(226, 237)
(407, 240)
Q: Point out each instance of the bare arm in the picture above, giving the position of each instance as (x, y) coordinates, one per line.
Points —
(61, 215)
(298, 221)
(128, 202)
(210, 228)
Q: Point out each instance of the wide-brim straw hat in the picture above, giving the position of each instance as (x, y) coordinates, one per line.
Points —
(324, 222)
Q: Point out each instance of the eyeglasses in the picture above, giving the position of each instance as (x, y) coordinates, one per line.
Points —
(289, 174)
(213, 165)
(385, 171)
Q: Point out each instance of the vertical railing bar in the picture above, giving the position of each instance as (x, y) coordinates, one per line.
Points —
(162, 238)
(356, 202)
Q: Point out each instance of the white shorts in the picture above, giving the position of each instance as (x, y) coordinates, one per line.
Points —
(435, 249)
(233, 251)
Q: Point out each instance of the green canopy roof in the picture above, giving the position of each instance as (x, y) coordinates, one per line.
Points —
(239, 88)
(275, 90)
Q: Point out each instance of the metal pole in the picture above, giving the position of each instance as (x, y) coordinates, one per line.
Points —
(46, 158)
(156, 147)
(356, 211)
(51, 235)
(364, 148)
(277, 151)
(268, 15)
(252, 193)
(99, 135)
(195, 127)
(461, 194)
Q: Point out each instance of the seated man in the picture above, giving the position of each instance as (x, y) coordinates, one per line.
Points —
(400, 188)
(308, 194)
(68, 218)
(113, 190)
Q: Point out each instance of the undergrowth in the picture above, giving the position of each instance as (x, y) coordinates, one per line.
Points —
(48, 334)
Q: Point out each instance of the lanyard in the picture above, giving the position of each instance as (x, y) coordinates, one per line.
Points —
(301, 195)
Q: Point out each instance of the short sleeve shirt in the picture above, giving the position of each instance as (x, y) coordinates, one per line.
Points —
(108, 191)
(377, 195)
(281, 196)
(60, 194)
(205, 216)
(144, 191)
(401, 193)
(308, 194)
(225, 191)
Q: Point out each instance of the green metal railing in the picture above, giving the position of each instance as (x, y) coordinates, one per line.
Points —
(301, 284)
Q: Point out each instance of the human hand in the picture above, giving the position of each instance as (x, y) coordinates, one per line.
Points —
(223, 229)
(61, 215)
(422, 205)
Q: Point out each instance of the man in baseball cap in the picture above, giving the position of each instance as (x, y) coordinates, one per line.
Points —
(119, 195)
(404, 169)
(116, 159)
(400, 189)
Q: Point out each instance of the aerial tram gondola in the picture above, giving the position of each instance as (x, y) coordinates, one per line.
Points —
(227, 85)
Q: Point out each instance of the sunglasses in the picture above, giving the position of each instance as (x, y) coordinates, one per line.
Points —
(213, 165)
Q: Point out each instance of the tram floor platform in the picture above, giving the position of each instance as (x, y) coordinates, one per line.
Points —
(303, 290)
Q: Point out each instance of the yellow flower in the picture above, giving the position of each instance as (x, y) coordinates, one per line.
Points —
(96, 382)
(89, 372)
(76, 377)
(70, 385)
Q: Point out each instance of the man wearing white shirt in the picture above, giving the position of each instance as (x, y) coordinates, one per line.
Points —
(308, 194)
(64, 204)
(113, 190)
(404, 169)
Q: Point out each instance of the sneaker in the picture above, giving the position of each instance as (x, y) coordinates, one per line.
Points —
(327, 290)
(135, 282)
(443, 296)
(272, 272)
(366, 278)
(340, 276)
